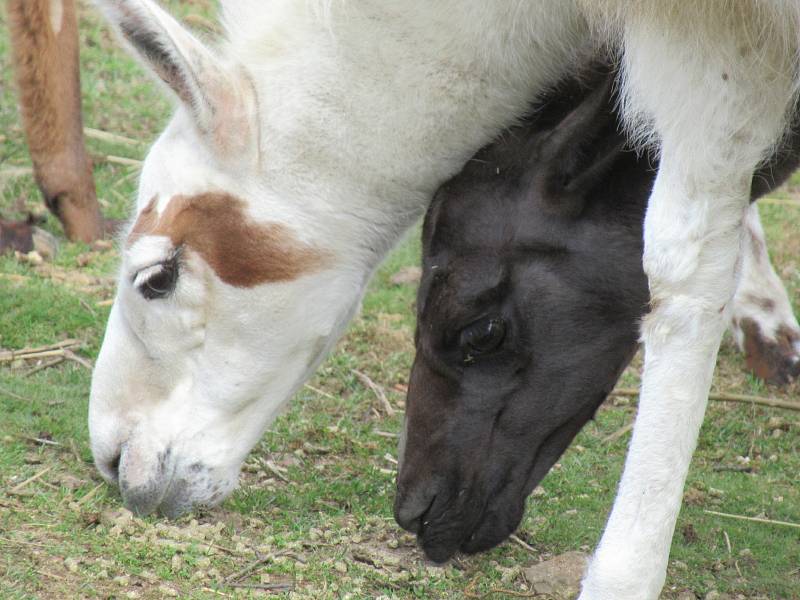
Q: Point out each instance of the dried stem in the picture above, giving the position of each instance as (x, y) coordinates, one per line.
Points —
(45, 365)
(31, 479)
(725, 397)
(377, 390)
(113, 138)
(56, 349)
(753, 519)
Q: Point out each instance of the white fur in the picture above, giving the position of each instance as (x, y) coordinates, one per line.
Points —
(342, 164)
(357, 111)
(714, 130)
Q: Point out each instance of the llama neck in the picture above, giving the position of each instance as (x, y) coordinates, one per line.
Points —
(365, 111)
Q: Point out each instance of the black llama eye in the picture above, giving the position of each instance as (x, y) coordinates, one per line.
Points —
(482, 337)
(161, 283)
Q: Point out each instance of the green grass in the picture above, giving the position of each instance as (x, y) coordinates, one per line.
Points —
(326, 516)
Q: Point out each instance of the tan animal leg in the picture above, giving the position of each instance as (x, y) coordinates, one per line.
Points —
(44, 36)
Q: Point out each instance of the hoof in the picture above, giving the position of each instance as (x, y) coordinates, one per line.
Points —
(775, 360)
(16, 236)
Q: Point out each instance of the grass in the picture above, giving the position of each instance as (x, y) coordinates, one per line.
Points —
(316, 493)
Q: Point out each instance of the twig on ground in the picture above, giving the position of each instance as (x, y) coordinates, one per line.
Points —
(45, 365)
(725, 397)
(780, 202)
(125, 178)
(218, 547)
(752, 519)
(105, 136)
(13, 172)
(39, 440)
(517, 540)
(270, 587)
(42, 354)
(275, 470)
(74, 449)
(23, 543)
(322, 393)
(386, 434)
(87, 306)
(315, 449)
(246, 570)
(56, 349)
(47, 484)
(13, 395)
(231, 579)
(119, 196)
(88, 495)
(727, 542)
(377, 390)
(295, 557)
(618, 433)
(121, 160)
(70, 355)
(31, 479)
(15, 277)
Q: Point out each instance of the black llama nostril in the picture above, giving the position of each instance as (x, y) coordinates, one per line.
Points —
(412, 514)
(113, 466)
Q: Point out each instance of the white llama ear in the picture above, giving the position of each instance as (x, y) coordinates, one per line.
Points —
(220, 97)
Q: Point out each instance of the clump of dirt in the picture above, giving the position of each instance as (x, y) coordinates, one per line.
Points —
(560, 577)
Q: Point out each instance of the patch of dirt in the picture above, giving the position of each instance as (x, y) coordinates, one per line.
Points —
(559, 577)
(406, 276)
(77, 279)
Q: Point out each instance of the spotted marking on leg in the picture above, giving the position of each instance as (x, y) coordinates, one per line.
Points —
(763, 322)
(773, 359)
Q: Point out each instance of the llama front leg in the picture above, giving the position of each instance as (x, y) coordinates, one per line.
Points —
(717, 105)
(691, 248)
(44, 38)
(762, 321)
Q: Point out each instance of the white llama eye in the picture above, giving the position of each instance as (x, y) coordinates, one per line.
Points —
(157, 281)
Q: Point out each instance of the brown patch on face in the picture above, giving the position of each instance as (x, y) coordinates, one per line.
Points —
(773, 361)
(241, 252)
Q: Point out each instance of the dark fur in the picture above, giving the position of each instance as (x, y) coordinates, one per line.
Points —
(544, 230)
(16, 236)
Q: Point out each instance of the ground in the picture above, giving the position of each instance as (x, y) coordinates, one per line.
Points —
(312, 517)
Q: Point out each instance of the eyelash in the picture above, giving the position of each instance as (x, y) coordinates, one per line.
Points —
(159, 280)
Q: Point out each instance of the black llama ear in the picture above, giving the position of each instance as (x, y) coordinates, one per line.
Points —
(579, 151)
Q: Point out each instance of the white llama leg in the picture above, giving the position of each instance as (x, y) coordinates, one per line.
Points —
(717, 106)
(763, 322)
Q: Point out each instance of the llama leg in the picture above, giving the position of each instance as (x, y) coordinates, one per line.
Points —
(44, 38)
(763, 322)
(692, 273)
(716, 118)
